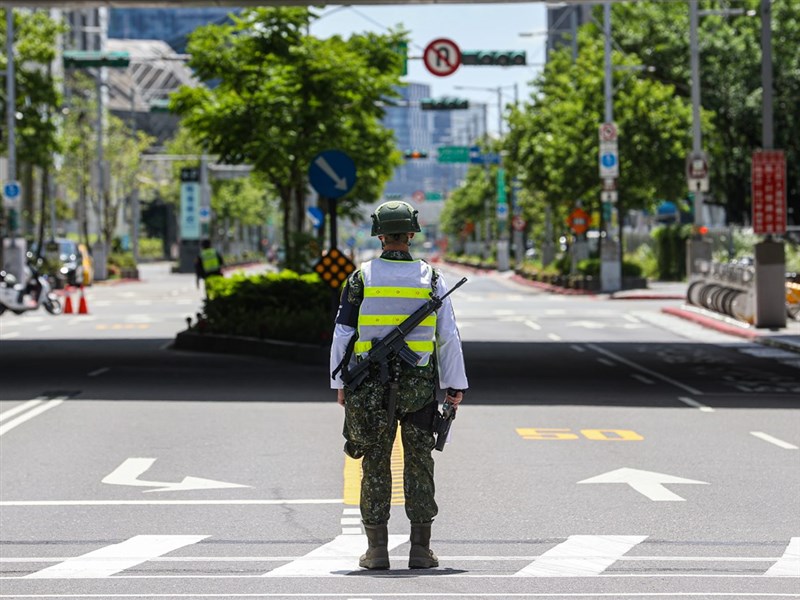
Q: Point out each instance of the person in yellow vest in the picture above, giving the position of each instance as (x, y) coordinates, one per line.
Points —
(208, 263)
(375, 299)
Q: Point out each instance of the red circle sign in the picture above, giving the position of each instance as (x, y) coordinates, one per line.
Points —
(518, 223)
(442, 57)
(418, 196)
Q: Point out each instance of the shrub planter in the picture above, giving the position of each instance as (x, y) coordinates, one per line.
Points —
(230, 344)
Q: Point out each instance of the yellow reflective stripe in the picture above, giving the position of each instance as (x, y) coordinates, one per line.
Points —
(423, 346)
(367, 320)
(396, 292)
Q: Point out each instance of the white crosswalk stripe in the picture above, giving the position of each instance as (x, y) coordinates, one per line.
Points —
(115, 558)
(579, 556)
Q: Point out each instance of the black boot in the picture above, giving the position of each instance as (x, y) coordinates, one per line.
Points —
(421, 555)
(377, 555)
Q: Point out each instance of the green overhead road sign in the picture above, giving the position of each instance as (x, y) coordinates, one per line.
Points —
(434, 196)
(85, 59)
(453, 154)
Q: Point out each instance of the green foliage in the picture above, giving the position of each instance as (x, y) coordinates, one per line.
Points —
(278, 306)
(282, 96)
(646, 259)
(151, 248)
(121, 260)
(670, 251)
(36, 96)
(657, 34)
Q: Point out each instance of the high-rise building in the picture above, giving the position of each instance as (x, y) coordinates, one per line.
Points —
(171, 25)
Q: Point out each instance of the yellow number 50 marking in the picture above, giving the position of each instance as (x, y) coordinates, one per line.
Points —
(604, 435)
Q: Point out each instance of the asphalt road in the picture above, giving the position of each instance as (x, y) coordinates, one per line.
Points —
(605, 449)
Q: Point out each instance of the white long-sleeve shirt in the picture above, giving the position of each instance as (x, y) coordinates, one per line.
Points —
(449, 354)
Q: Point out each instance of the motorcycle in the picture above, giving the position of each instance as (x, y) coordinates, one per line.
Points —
(22, 297)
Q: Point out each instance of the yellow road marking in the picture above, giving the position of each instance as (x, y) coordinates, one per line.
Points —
(352, 477)
(601, 435)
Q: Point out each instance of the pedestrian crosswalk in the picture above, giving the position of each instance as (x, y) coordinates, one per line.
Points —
(574, 556)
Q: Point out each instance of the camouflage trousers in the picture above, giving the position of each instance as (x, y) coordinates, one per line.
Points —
(372, 432)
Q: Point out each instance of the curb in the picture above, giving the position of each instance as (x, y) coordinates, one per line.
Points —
(231, 344)
(728, 327)
(647, 296)
(555, 289)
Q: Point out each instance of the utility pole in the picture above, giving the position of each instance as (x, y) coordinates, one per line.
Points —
(610, 250)
(770, 254)
(698, 250)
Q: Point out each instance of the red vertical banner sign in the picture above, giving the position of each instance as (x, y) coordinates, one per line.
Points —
(769, 192)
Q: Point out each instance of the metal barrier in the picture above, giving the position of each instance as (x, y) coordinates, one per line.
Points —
(726, 288)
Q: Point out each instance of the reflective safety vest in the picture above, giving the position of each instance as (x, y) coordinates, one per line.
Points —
(209, 260)
(393, 289)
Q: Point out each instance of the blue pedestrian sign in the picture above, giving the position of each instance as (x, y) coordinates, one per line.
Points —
(332, 173)
(11, 191)
(609, 160)
(502, 212)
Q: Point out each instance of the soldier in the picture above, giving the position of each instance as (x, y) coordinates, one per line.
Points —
(208, 263)
(374, 300)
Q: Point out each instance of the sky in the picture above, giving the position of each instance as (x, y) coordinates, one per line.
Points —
(470, 26)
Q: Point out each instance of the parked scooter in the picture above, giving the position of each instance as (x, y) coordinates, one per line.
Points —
(22, 297)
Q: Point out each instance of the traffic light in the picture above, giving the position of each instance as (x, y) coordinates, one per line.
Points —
(85, 59)
(444, 104)
(494, 58)
(412, 154)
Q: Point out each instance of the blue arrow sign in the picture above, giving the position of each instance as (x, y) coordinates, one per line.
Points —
(316, 215)
(332, 173)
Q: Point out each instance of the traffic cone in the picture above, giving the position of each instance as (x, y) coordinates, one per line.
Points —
(82, 308)
(68, 304)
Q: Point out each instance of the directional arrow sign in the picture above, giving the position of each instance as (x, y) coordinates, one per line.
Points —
(649, 483)
(128, 474)
(332, 173)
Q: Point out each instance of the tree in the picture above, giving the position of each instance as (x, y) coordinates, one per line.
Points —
(553, 142)
(281, 96)
(731, 90)
(36, 99)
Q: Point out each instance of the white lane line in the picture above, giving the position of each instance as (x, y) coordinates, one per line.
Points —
(44, 328)
(8, 336)
(338, 557)
(773, 440)
(99, 372)
(37, 410)
(581, 556)
(642, 378)
(578, 348)
(115, 558)
(695, 404)
(7, 503)
(350, 521)
(21, 408)
(554, 336)
(631, 318)
(428, 595)
(351, 511)
(789, 563)
(645, 370)
(533, 325)
(606, 362)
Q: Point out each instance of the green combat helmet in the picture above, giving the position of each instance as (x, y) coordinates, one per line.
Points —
(394, 217)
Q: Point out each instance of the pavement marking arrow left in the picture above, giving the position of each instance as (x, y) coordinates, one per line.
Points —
(129, 471)
(647, 483)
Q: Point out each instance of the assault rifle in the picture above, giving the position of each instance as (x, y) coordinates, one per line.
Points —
(394, 344)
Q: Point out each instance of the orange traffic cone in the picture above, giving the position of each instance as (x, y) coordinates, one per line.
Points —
(82, 308)
(68, 304)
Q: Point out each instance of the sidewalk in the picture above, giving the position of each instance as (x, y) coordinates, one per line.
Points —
(787, 338)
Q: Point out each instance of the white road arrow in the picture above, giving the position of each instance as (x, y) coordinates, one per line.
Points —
(647, 483)
(339, 182)
(128, 474)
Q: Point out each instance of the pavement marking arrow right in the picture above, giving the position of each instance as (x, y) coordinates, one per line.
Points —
(647, 483)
